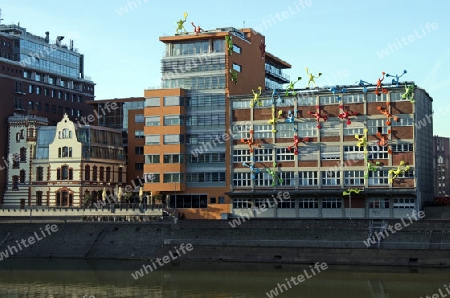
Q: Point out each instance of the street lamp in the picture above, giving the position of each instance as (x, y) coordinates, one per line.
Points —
(349, 194)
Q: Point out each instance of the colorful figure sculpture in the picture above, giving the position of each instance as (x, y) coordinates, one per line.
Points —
(262, 47)
(290, 117)
(397, 78)
(275, 178)
(180, 23)
(251, 166)
(363, 84)
(401, 169)
(312, 77)
(371, 168)
(250, 142)
(256, 98)
(229, 42)
(297, 140)
(336, 89)
(290, 90)
(234, 76)
(351, 190)
(345, 114)
(318, 116)
(362, 140)
(274, 119)
(383, 141)
(197, 29)
(379, 86)
(409, 93)
(277, 101)
(387, 114)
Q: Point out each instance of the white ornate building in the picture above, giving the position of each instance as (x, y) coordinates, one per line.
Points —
(63, 165)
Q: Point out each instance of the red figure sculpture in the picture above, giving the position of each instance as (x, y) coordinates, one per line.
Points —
(387, 114)
(318, 116)
(297, 140)
(345, 114)
(250, 142)
(197, 29)
(380, 86)
(262, 47)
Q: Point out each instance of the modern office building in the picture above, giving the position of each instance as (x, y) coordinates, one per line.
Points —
(342, 152)
(40, 76)
(128, 117)
(441, 166)
(186, 123)
(67, 165)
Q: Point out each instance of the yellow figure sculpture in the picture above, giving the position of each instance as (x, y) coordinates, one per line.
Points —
(180, 23)
(312, 77)
(401, 169)
(274, 119)
(256, 98)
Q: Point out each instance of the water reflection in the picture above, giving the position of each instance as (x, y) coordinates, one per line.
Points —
(79, 278)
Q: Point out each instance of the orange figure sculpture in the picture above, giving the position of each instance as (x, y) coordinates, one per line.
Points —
(318, 116)
(383, 141)
(387, 114)
(297, 140)
(345, 114)
(380, 86)
(250, 142)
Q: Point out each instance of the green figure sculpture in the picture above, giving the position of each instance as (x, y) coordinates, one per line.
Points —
(291, 88)
(409, 93)
(312, 77)
(272, 172)
(180, 23)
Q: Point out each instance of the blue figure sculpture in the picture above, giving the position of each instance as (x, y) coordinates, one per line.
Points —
(363, 84)
(290, 117)
(336, 89)
(251, 166)
(277, 101)
(397, 77)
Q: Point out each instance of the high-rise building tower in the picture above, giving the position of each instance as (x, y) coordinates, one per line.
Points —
(441, 163)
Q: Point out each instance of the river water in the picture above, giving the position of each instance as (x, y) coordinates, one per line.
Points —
(26, 278)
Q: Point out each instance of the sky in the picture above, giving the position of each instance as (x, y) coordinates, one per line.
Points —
(345, 40)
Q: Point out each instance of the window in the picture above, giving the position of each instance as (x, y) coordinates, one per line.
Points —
(39, 174)
(53, 109)
(236, 49)
(331, 178)
(108, 174)
(397, 96)
(46, 107)
(378, 178)
(353, 98)
(262, 155)
(173, 139)
(263, 131)
(22, 176)
(307, 129)
(284, 154)
(173, 101)
(38, 90)
(372, 97)
(403, 121)
(152, 102)
(65, 152)
(330, 152)
(308, 203)
(153, 121)
(15, 183)
(94, 173)
(38, 106)
(87, 173)
(152, 158)
(288, 178)
(241, 204)
(379, 203)
(307, 178)
(353, 153)
(304, 100)
(329, 99)
(356, 128)
(404, 147)
(31, 89)
(173, 158)
(308, 153)
(378, 152)
(263, 179)
(285, 130)
(221, 200)
(120, 175)
(174, 120)
(30, 105)
(241, 155)
(16, 161)
(139, 134)
(377, 125)
(39, 198)
(331, 203)
(353, 178)
(152, 178)
(242, 179)
(172, 177)
(139, 150)
(23, 154)
(237, 67)
(139, 166)
(286, 204)
(404, 203)
(330, 128)
(63, 173)
(139, 118)
(152, 140)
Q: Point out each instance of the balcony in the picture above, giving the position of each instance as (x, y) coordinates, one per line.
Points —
(276, 74)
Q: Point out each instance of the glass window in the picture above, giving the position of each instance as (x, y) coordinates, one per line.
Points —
(152, 140)
(153, 121)
(139, 118)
